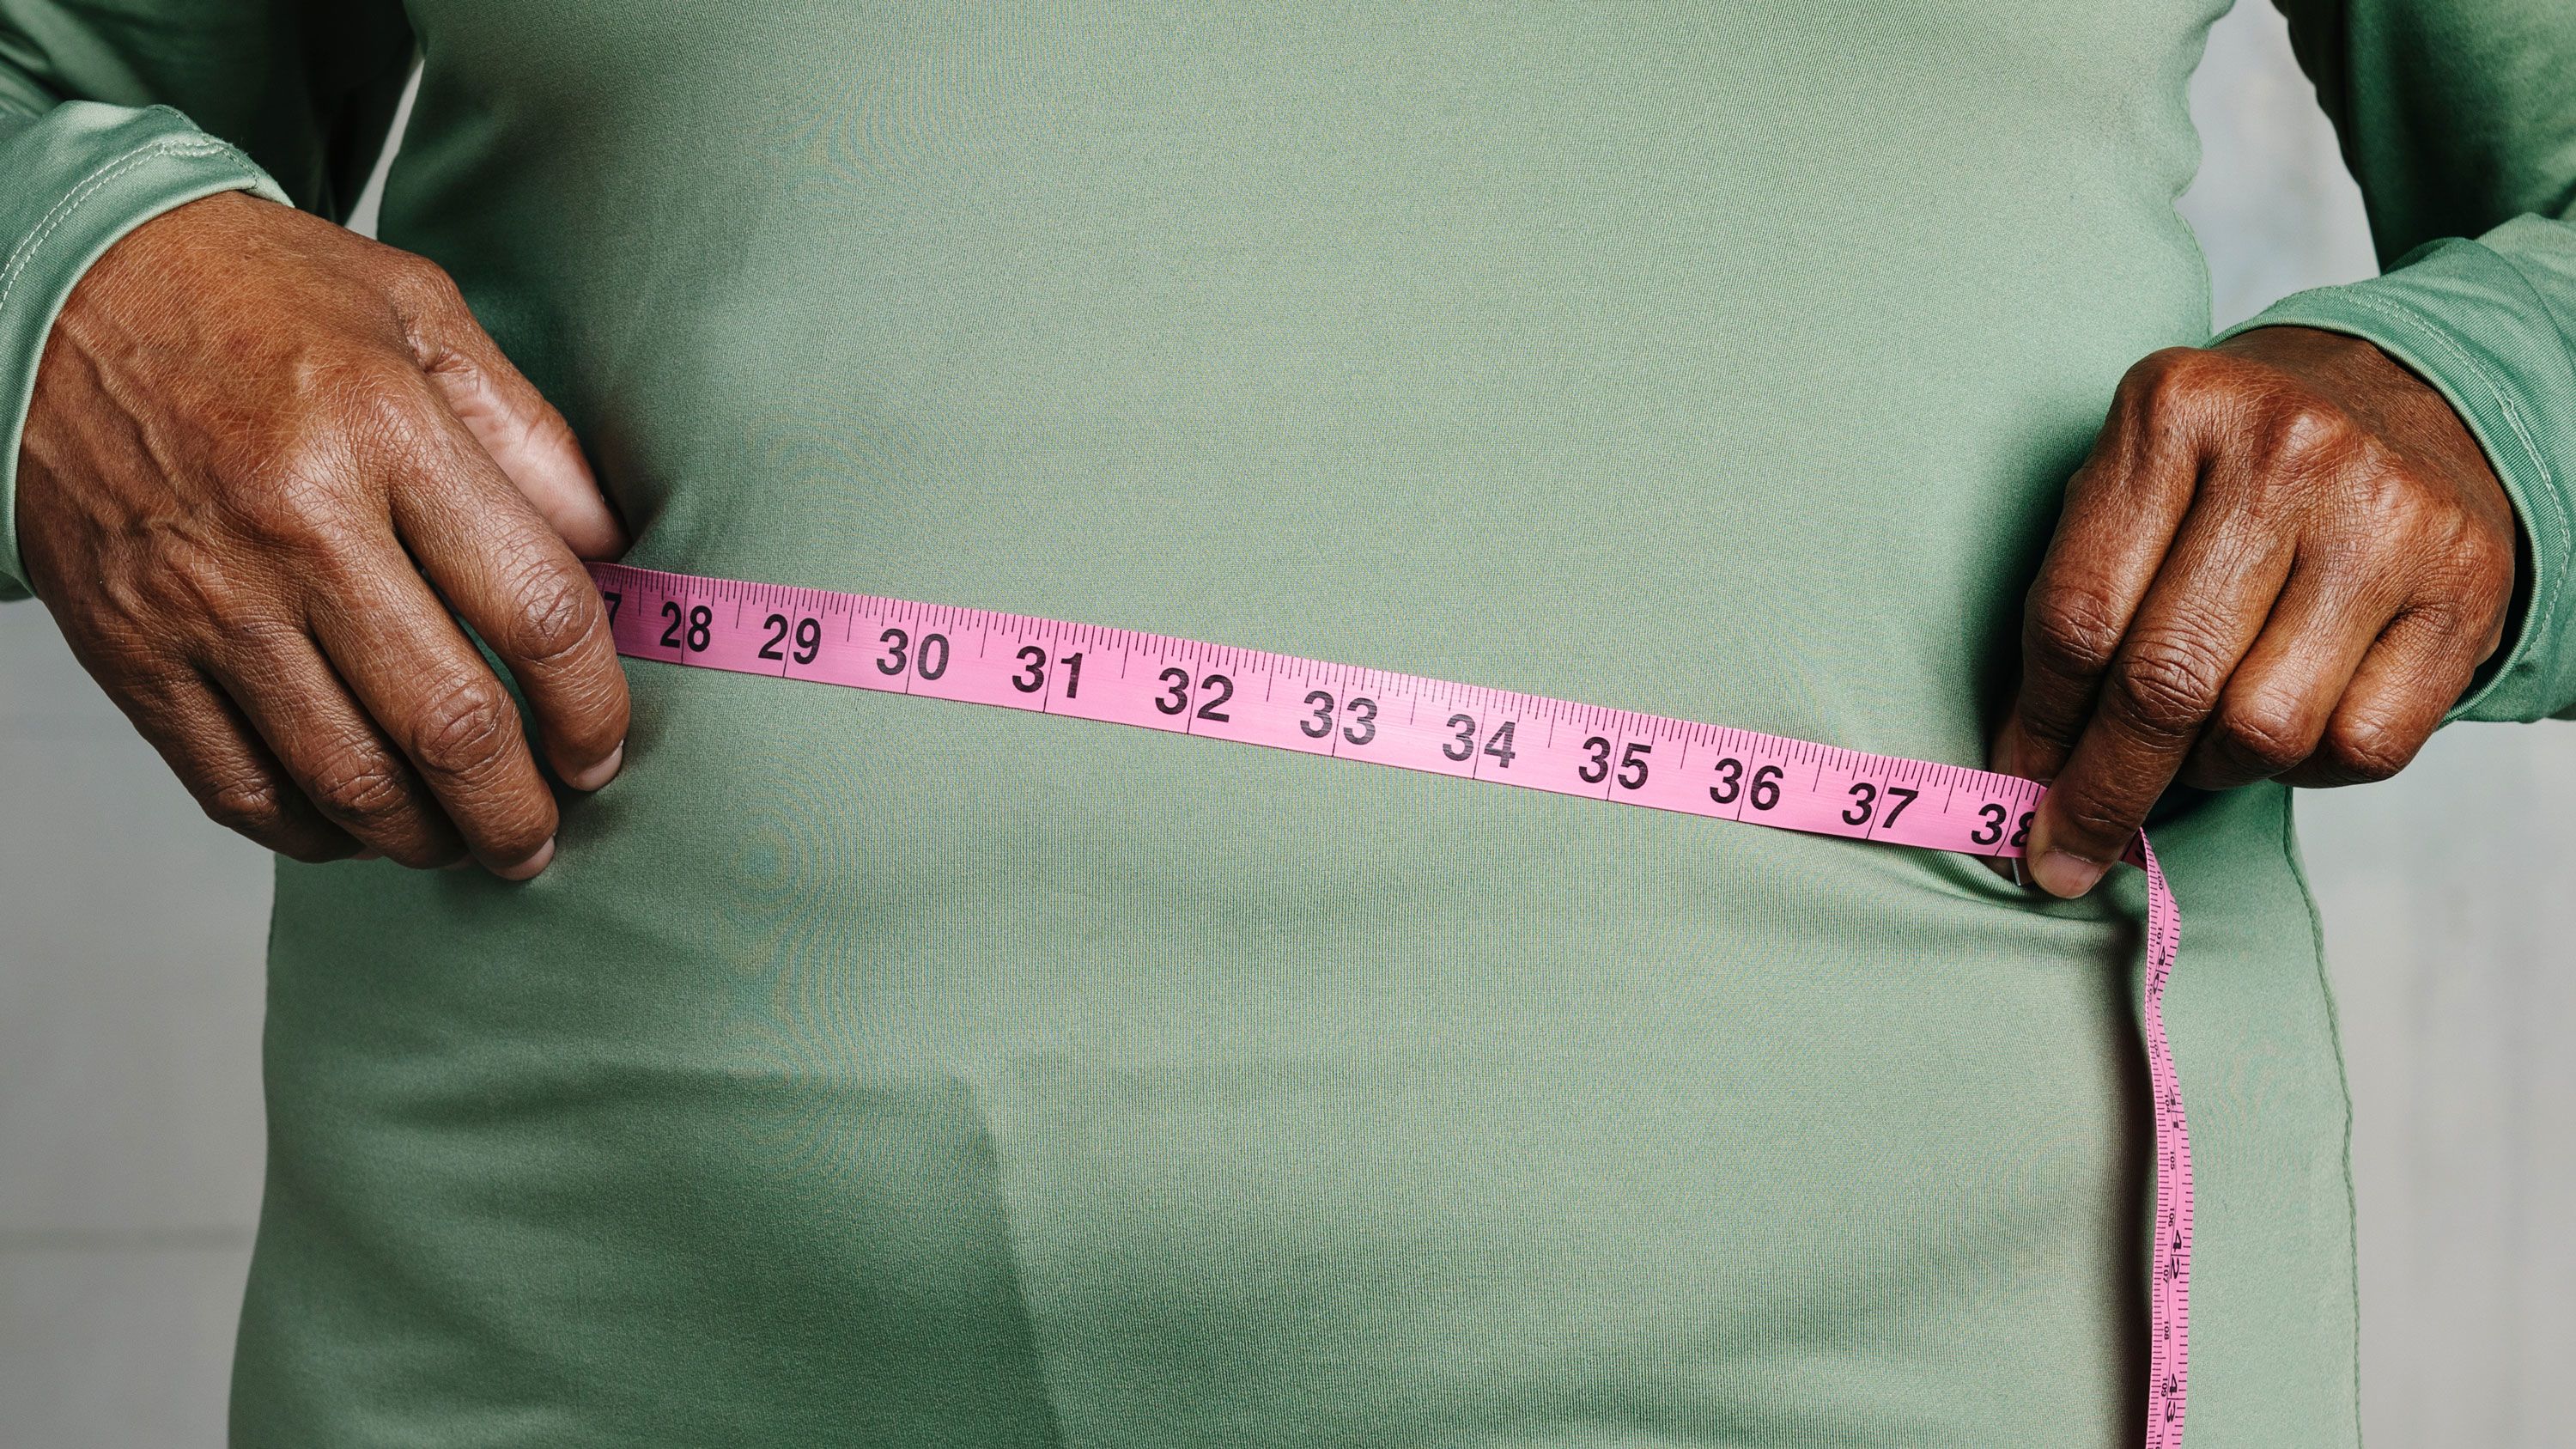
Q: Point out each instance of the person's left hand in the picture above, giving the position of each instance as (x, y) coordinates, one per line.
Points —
(2285, 558)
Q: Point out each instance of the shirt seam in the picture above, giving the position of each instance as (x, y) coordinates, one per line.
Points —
(2343, 1083)
(63, 210)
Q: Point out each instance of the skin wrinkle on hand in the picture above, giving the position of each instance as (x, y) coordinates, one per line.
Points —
(257, 559)
(2300, 556)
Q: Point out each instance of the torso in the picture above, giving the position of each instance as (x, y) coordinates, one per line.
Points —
(879, 1071)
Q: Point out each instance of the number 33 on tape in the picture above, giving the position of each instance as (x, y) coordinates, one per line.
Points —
(1243, 696)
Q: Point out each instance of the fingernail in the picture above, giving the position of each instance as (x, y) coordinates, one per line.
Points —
(601, 773)
(370, 853)
(532, 864)
(2061, 874)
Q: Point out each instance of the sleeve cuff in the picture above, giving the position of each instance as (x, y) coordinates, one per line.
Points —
(2470, 321)
(80, 178)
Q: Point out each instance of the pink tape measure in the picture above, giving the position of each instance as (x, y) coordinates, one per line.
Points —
(1248, 697)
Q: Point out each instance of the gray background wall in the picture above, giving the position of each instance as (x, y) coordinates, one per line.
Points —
(130, 935)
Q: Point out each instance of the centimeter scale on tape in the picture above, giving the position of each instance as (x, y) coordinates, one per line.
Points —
(1492, 736)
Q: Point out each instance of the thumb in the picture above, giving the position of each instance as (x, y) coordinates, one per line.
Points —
(527, 438)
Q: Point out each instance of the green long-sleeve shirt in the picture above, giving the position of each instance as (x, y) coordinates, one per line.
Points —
(868, 1070)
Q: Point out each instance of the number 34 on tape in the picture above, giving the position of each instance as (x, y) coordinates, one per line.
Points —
(1409, 722)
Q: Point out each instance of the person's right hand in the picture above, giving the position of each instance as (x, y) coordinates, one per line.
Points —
(265, 459)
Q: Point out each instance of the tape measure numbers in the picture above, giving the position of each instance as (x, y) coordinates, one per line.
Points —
(1250, 697)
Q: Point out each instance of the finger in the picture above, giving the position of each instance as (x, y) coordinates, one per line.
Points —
(2206, 607)
(2407, 681)
(2123, 507)
(511, 421)
(1999, 755)
(2277, 701)
(506, 573)
(236, 781)
(437, 701)
(335, 755)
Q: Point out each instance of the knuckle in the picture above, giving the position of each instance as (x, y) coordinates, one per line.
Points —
(2166, 684)
(558, 614)
(331, 543)
(252, 806)
(422, 284)
(2483, 556)
(2473, 562)
(2265, 731)
(2170, 375)
(2442, 617)
(428, 306)
(294, 491)
(2073, 629)
(2296, 425)
(382, 409)
(2299, 434)
(464, 730)
(2366, 748)
(2388, 501)
(360, 788)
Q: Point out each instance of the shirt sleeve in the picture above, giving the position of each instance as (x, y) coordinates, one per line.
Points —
(114, 111)
(2458, 118)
